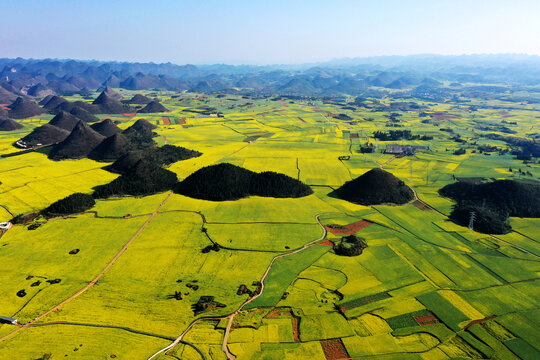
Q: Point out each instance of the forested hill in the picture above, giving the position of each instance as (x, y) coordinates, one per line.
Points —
(418, 74)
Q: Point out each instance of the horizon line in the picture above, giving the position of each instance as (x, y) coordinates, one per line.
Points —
(315, 62)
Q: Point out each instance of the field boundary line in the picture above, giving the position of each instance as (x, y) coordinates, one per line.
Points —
(96, 279)
(231, 316)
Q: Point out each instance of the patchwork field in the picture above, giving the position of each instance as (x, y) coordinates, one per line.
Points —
(423, 288)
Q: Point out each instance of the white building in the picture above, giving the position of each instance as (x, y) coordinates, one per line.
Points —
(5, 226)
(7, 320)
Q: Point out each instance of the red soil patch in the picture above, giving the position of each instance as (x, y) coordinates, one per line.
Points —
(348, 229)
(425, 320)
(182, 121)
(276, 313)
(272, 314)
(166, 120)
(421, 205)
(354, 136)
(302, 120)
(295, 332)
(479, 321)
(334, 349)
(327, 243)
(284, 105)
(129, 114)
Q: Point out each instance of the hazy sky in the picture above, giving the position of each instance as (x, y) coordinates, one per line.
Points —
(264, 32)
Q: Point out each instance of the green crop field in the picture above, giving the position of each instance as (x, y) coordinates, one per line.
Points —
(423, 288)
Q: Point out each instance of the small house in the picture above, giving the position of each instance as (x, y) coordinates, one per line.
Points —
(5, 226)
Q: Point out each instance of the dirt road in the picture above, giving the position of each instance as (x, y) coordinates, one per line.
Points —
(231, 317)
(95, 280)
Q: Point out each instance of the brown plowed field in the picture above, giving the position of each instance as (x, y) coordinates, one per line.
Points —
(348, 229)
(334, 349)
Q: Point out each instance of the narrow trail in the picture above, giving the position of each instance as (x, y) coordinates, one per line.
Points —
(124, 328)
(102, 273)
(234, 152)
(231, 317)
(93, 282)
(224, 346)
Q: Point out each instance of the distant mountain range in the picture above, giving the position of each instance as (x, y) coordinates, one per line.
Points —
(39, 78)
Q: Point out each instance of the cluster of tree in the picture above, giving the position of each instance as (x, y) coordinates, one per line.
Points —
(486, 219)
(243, 289)
(394, 117)
(350, 245)
(206, 303)
(393, 135)
(140, 134)
(522, 155)
(342, 117)
(500, 128)
(168, 154)
(376, 186)
(460, 151)
(229, 182)
(161, 156)
(490, 148)
(521, 172)
(492, 203)
(367, 148)
(72, 204)
(524, 149)
(214, 247)
(144, 178)
(509, 197)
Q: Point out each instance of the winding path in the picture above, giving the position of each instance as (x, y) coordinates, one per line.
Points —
(224, 346)
(124, 328)
(93, 282)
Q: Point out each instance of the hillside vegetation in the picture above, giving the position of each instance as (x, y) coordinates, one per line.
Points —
(225, 181)
(376, 186)
(492, 203)
(72, 204)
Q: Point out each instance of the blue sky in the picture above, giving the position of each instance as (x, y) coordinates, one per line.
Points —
(264, 32)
